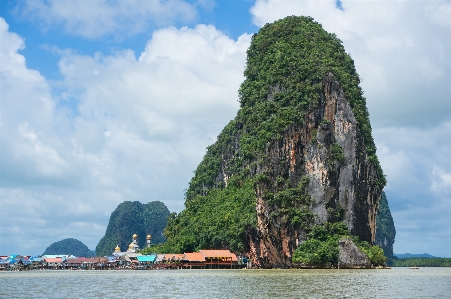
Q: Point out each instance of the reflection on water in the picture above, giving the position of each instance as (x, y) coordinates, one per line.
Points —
(294, 283)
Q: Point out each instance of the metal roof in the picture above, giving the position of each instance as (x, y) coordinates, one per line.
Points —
(51, 256)
(147, 258)
(80, 260)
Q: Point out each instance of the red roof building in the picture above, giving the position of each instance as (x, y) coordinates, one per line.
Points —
(222, 255)
(194, 257)
(53, 262)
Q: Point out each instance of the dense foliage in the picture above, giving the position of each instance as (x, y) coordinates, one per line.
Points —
(286, 63)
(217, 220)
(134, 218)
(385, 229)
(290, 205)
(321, 247)
(422, 262)
(69, 246)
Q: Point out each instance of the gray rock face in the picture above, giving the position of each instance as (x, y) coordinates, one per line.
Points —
(329, 149)
(350, 256)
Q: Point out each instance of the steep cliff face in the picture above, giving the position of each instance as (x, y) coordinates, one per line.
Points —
(329, 152)
(299, 152)
(385, 229)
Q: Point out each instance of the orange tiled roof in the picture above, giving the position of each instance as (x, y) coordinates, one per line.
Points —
(218, 254)
(194, 257)
(54, 260)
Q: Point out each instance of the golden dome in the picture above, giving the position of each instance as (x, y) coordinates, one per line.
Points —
(149, 237)
(135, 236)
(117, 249)
(131, 246)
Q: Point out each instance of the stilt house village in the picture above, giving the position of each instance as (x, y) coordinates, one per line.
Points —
(129, 259)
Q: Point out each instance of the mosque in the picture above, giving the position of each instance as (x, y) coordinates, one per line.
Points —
(133, 247)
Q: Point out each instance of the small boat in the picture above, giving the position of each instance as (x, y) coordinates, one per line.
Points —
(415, 268)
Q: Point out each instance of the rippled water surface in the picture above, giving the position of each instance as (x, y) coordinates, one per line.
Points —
(294, 283)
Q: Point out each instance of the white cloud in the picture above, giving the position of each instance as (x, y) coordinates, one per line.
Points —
(442, 181)
(95, 18)
(139, 128)
(399, 48)
(29, 152)
(409, 157)
(418, 190)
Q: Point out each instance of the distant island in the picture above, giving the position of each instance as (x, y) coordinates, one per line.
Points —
(69, 246)
(422, 262)
(419, 260)
(410, 255)
(134, 217)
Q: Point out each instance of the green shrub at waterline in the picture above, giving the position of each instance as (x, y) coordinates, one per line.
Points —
(321, 247)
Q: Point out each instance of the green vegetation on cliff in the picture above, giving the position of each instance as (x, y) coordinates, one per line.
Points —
(218, 220)
(321, 247)
(134, 218)
(69, 246)
(286, 63)
(291, 57)
(385, 229)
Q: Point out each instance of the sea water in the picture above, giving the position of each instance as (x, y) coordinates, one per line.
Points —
(244, 283)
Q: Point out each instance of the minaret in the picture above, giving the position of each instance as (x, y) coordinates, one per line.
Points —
(133, 247)
(134, 237)
(148, 240)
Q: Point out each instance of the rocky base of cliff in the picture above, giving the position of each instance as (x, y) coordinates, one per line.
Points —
(351, 257)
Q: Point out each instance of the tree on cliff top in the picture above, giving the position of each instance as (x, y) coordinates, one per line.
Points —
(287, 61)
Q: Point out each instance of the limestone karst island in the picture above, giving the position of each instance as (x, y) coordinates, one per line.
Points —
(292, 181)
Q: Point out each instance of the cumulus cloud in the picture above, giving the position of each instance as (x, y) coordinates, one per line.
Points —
(416, 162)
(27, 112)
(156, 113)
(123, 127)
(93, 19)
(399, 48)
(442, 181)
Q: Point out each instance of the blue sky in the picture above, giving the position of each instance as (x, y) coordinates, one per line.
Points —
(106, 101)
